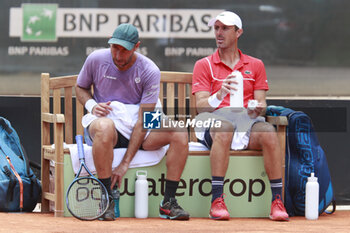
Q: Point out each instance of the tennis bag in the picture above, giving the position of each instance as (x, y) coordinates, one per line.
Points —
(304, 155)
(20, 190)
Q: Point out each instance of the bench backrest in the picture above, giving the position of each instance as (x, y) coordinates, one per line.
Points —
(175, 95)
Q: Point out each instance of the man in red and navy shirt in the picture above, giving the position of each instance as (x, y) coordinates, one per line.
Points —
(213, 82)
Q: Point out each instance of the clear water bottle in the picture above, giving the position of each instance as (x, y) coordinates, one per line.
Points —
(311, 198)
(236, 97)
(116, 196)
(141, 195)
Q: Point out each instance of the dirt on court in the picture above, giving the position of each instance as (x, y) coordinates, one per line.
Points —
(45, 222)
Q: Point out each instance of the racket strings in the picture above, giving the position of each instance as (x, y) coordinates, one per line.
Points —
(87, 198)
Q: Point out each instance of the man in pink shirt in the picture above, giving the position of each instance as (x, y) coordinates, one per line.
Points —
(213, 81)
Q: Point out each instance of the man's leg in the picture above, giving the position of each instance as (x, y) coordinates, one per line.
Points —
(104, 135)
(175, 161)
(263, 136)
(219, 159)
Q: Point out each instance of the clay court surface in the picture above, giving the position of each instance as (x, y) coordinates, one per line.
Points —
(46, 222)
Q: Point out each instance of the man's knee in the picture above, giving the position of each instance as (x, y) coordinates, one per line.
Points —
(223, 134)
(267, 134)
(263, 127)
(103, 129)
(180, 136)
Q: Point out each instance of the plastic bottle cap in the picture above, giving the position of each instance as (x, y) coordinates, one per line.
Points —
(312, 178)
(141, 175)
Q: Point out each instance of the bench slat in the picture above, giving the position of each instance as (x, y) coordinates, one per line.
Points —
(181, 100)
(232, 153)
(170, 99)
(68, 96)
(62, 82)
(176, 77)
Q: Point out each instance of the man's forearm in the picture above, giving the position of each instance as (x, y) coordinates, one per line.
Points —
(83, 95)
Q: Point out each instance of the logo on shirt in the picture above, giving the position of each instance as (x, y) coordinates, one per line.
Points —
(248, 72)
(110, 77)
(137, 80)
(151, 120)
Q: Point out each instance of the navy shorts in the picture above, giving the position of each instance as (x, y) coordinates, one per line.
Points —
(208, 141)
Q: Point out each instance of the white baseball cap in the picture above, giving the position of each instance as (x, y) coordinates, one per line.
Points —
(228, 18)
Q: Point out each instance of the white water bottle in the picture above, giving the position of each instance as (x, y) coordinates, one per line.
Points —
(236, 98)
(141, 195)
(311, 198)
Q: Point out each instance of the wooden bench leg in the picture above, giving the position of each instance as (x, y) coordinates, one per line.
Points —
(45, 182)
(59, 165)
(281, 129)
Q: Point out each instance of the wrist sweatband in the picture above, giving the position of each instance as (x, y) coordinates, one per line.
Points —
(90, 104)
(213, 101)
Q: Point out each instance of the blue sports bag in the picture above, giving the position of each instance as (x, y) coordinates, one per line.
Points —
(20, 190)
(304, 155)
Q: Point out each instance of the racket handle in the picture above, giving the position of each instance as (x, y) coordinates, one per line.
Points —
(79, 140)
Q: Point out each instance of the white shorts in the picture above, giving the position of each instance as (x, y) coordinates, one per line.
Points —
(240, 120)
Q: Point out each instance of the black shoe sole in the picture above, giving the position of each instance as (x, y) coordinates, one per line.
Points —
(179, 217)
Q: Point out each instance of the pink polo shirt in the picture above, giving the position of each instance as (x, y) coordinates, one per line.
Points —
(252, 69)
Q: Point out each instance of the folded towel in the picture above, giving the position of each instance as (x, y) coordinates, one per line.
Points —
(141, 159)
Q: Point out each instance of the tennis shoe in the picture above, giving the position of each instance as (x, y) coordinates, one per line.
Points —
(109, 215)
(278, 212)
(172, 210)
(218, 209)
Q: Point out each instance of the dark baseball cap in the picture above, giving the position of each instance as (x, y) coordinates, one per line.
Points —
(125, 35)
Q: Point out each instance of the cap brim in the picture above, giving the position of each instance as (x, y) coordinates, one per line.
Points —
(212, 22)
(126, 44)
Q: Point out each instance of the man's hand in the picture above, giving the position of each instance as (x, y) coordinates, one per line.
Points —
(118, 174)
(102, 109)
(257, 111)
(226, 86)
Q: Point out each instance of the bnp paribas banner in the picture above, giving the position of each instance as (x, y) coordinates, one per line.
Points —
(47, 22)
(173, 38)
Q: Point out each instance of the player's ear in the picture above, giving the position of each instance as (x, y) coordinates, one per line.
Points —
(137, 45)
(239, 32)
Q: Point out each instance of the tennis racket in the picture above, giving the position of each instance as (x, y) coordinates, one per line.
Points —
(87, 197)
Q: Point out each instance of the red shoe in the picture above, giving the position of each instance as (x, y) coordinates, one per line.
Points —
(218, 209)
(278, 212)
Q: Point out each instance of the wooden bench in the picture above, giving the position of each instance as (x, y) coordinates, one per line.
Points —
(61, 119)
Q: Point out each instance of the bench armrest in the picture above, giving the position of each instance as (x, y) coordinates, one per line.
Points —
(277, 120)
(52, 118)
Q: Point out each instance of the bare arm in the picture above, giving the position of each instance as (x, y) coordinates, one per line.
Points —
(136, 139)
(260, 110)
(83, 95)
(202, 104)
(202, 97)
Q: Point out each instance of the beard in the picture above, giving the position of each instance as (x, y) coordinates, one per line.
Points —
(123, 63)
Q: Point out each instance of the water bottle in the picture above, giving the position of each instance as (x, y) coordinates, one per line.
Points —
(236, 97)
(311, 198)
(141, 195)
(116, 196)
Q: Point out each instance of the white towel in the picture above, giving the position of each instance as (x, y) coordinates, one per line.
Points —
(197, 146)
(141, 159)
(124, 117)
